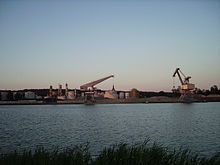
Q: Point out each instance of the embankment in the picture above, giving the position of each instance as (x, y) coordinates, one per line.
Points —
(156, 99)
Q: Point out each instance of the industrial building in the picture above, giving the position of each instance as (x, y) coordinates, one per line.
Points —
(121, 95)
(134, 93)
(30, 95)
(3, 96)
(111, 94)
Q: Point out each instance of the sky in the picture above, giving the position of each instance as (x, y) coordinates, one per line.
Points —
(45, 43)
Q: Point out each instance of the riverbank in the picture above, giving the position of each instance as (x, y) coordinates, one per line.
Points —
(156, 99)
(121, 154)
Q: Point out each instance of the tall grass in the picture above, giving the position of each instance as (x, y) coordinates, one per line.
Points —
(120, 154)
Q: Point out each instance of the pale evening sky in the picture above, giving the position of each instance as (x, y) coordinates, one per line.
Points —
(49, 42)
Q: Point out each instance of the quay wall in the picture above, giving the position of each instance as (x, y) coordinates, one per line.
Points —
(156, 99)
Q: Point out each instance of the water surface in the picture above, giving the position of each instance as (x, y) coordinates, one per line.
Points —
(195, 126)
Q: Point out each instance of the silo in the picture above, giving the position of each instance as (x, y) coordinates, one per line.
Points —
(66, 91)
(127, 95)
(134, 93)
(60, 90)
(51, 91)
(121, 95)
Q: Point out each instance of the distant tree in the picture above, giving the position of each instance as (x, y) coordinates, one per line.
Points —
(198, 91)
(214, 89)
(161, 93)
(10, 96)
(18, 96)
(206, 92)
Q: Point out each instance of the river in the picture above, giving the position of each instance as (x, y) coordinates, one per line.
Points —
(194, 126)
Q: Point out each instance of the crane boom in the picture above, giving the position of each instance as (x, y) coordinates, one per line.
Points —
(93, 83)
(177, 72)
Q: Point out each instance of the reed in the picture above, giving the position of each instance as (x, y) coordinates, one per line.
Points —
(120, 154)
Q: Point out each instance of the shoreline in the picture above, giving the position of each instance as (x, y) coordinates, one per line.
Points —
(160, 99)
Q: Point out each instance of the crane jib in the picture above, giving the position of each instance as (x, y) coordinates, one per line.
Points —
(93, 83)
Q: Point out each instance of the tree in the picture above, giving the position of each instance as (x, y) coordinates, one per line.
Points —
(206, 92)
(214, 89)
(161, 93)
(198, 91)
(18, 96)
(10, 96)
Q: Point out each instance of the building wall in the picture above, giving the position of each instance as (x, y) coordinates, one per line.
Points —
(71, 95)
(3, 96)
(29, 95)
(121, 95)
(111, 95)
(134, 93)
(127, 95)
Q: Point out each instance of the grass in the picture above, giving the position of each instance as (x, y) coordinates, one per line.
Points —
(120, 154)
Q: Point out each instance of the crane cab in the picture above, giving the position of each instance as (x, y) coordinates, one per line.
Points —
(188, 86)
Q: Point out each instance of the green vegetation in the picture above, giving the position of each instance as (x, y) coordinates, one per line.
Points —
(121, 154)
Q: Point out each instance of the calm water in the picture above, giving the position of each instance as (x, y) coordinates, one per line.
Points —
(195, 126)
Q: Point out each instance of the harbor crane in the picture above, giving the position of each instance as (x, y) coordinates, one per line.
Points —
(93, 83)
(186, 86)
(89, 90)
